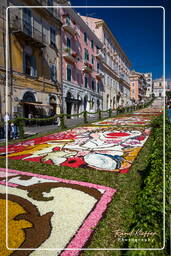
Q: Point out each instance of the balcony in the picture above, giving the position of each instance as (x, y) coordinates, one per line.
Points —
(69, 56)
(100, 55)
(124, 78)
(87, 67)
(70, 29)
(50, 12)
(99, 75)
(29, 33)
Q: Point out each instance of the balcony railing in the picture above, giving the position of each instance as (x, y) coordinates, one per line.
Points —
(70, 55)
(124, 77)
(100, 55)
(53, 11)
(70, 29)
(28, 32)
(99, 75)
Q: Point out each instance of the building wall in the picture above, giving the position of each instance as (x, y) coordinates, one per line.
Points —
(149, 81)
(40, 83)
(158, 87)
(81, 98)
(138, 87)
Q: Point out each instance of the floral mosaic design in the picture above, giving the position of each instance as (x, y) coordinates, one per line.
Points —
(125, 121)
(100, 148)
(48, 213)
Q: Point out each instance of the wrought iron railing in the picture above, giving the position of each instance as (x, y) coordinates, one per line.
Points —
(20, 25)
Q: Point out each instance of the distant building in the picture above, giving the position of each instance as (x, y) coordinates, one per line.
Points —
(168, 85)
(138, 87)
(34, 59)
(82, 67)
(149, 84)
(115, 64)
(158, 87)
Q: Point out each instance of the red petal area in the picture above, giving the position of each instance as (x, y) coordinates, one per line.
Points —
(124, 170)
(74, 162)
(19, 157)
(56, 149)
(139, 122)
(140, 137)
(49, 162)
(117, 134)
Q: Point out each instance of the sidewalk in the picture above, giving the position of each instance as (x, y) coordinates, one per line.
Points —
(68, 122)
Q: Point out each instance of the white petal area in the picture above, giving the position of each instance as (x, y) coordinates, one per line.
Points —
(70, 206)
(58, 157)
(31, 181)
(100, 161)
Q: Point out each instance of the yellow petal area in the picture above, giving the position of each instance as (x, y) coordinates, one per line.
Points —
(16, 235)
(41, 149)
(30, 150)
(130, 155)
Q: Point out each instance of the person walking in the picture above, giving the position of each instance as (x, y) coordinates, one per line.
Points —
(6, 121)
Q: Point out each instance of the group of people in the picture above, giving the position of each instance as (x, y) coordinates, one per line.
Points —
(12, 128)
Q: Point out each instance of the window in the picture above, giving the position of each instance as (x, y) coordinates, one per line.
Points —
(93, 85)
(50, 2)
(92, 59)
(97, 49)
(86, 55)
(92, 44)
(68, 43)
(69, 71)
(27, 24)
(86, 82)
(98, 66)
(53, 73)
(98, 86)
(68, 20)
(85, 37)
(52, 37)
(29, 65)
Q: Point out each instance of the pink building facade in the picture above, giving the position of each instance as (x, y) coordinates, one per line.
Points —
(138, 87)
(82, 69)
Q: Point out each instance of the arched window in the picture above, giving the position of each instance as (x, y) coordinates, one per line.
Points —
(29, 97)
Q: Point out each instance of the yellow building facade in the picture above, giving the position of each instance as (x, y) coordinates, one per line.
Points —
(34, 59)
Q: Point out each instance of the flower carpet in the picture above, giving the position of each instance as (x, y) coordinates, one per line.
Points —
(125, 121)
(109, 145)
(101, 148)
(46, 212)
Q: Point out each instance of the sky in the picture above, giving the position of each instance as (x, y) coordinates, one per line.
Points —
(139, 31)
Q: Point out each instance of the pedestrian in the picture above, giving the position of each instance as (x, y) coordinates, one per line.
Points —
(30, 115)
(6, 121)
(12, 130)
